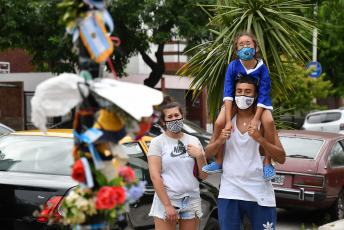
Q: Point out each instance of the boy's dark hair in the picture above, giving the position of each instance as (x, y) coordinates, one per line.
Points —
(169, 103)
(248, 80)
(252, 36)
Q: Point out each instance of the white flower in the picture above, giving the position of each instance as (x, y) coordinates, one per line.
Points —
(72, 197)
(82, 203)
(268, 226)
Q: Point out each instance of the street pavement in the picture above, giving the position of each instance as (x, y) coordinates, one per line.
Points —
(336, 225)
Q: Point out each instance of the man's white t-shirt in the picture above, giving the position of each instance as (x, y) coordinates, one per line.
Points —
(242, 177)
(176, 165)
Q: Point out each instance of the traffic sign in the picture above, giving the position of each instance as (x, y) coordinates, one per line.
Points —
(316, 71)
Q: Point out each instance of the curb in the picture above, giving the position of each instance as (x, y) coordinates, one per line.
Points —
(336, 225)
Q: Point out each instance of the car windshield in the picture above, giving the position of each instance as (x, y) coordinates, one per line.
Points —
(190, 127)
(301, 147)
(36, 154)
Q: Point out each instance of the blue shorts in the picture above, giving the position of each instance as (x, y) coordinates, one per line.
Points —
(232, 213)
(187, 208)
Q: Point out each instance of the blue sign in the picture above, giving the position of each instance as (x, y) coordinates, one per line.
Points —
(316, 69)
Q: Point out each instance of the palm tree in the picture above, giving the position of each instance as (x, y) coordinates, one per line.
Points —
(275, 23)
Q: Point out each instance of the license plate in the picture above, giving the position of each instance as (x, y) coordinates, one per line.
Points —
(279, 179)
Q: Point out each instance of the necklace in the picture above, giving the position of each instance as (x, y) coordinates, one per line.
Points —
(245, 122)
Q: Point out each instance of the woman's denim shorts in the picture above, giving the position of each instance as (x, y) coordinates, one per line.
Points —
(186, 207)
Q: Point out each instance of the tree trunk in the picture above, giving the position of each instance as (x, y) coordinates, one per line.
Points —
(158, 69)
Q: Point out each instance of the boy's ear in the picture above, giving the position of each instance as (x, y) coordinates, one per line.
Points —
(257, 49)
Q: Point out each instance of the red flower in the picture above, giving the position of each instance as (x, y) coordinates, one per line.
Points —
(109, 197)
(78, 173)
(120, 194)
(127, 173)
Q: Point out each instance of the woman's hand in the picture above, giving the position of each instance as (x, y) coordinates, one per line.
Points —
(194, 151)
(171, 213)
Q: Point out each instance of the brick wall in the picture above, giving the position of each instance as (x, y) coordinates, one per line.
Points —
(19, 61)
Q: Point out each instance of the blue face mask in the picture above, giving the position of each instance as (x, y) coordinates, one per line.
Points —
(246, 53)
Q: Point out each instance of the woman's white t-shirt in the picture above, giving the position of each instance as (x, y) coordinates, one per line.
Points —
(176, 165)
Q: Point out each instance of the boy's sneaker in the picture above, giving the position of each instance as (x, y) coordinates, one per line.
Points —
(269, 172)
(212, 168)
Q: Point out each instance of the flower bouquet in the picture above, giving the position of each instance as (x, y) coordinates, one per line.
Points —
(105, 205)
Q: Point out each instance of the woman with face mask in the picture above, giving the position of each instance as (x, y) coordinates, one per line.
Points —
(248, 64)
(172, 158)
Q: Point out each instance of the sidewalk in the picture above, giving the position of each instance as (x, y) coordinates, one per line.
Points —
(336, 225)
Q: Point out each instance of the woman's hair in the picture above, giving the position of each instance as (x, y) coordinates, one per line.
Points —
(254, 39)
(169, 103)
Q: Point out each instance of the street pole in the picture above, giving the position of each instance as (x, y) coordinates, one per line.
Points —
(315, 35)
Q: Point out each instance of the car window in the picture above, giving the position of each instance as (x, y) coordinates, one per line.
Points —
(190, 127)
(336, 157)
(36, 154)
(314, 119)
(137, 161)
(323, 117)
(301, 147)
(329, 117)
(4, 130)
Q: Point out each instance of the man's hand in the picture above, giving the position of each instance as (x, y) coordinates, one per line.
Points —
(225, 135)
(254, 133)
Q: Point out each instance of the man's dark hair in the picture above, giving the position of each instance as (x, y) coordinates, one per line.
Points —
(248, 80)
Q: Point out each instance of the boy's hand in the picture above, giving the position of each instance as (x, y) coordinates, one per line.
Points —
(229, 126)
(254, 122)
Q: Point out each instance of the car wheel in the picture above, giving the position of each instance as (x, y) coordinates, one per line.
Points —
(212, 224)
(337, 210)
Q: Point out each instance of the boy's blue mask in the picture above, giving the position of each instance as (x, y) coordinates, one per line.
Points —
(246, 53)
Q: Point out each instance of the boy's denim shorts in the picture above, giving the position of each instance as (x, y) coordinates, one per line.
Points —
(187, 208)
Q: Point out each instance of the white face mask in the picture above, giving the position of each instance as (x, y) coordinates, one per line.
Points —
(244, 102)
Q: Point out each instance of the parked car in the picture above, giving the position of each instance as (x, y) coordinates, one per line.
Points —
(331, 121)
(35, 170)
(312, 177)
(4, 129)
(188, 127)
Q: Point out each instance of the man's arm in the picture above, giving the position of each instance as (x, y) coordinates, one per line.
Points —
(216, 144)
(275, 150)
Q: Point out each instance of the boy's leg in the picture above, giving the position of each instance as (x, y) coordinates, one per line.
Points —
(260, 217)
(216, 166)
(219, 125)
(268, 123)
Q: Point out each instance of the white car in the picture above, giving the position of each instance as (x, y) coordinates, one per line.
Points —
(331, 121)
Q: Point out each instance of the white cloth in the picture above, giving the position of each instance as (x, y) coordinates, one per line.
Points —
(137, 100)
(56, 97)
(176, 165)
(242, 177)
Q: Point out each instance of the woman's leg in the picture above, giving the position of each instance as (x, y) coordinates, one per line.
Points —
(161, 224)
(186, 224)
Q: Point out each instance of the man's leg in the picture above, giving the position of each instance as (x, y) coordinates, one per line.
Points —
(230, 217)
(261, 217)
